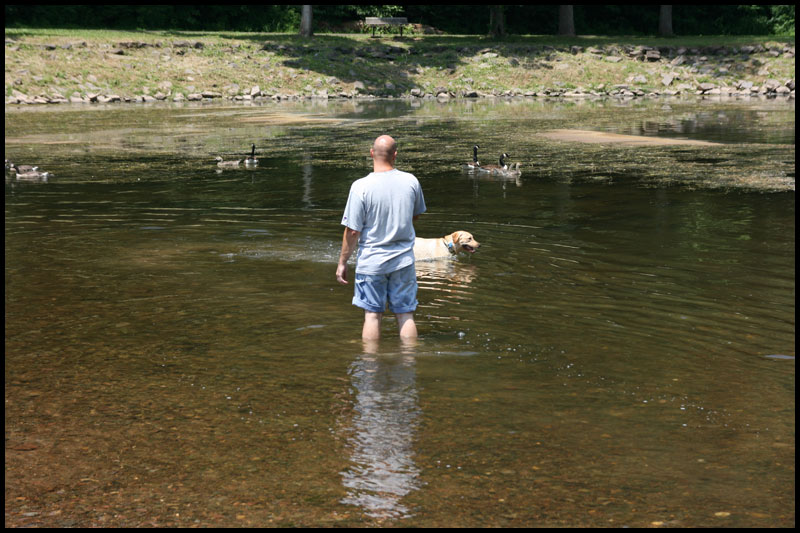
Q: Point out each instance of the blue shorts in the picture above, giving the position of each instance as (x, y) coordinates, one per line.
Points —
(399, 288)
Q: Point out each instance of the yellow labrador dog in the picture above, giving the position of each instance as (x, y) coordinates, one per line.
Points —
(447, 246)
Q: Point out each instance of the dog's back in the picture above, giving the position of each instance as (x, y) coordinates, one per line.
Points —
(443, 247)
(427, 249)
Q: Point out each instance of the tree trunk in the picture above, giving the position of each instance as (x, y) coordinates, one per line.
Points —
(566, 21)
(497, 21)
(305, 22)
(665, 21)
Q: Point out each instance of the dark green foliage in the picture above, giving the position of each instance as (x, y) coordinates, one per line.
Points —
(156, 17)
(455, 19)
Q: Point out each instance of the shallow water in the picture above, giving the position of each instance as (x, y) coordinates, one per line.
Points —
(619, 352)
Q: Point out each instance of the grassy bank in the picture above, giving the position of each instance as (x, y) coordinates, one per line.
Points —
(84, 65)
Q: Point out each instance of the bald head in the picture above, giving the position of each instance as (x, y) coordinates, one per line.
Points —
(384, 150)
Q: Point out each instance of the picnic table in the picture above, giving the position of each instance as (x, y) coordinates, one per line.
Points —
(374, 22)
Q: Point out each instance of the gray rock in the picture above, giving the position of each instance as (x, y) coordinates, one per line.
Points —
(652, 55)
(680, 60)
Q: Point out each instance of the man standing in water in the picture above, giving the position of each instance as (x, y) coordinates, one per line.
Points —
(379, 217)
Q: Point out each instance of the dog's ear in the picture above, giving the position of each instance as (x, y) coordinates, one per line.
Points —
(456, 236)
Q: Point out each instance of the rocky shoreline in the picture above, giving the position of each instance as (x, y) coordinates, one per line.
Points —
(664, 71)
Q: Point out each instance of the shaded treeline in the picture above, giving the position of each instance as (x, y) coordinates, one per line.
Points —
(455, 19)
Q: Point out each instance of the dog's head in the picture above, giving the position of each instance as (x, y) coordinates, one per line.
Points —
(463, 241)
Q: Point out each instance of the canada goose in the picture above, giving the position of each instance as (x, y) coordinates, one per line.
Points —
(512, 171)
(34, 175)
(26, 172)
(251, 160)
(495, 168)
(227, 164)
(475, 164)
(20, 169)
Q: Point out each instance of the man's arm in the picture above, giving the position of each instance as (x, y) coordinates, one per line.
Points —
(349, 243)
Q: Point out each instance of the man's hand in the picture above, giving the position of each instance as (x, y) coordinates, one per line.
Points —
(341, 273)
(349, 242)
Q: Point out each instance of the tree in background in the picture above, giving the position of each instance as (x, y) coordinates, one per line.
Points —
(665, 21)
(497, 22)
(566, 21)
(527, 19)
(305, 22)
(781, 20)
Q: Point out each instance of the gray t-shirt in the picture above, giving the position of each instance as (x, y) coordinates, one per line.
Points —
(381, 206)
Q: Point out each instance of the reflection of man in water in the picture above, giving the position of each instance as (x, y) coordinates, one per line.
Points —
(379, 217)
(382, 470)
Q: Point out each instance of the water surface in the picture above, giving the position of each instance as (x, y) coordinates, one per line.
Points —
(620, 352)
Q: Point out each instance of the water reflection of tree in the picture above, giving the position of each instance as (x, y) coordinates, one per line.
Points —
(382, 469)
(308, 181)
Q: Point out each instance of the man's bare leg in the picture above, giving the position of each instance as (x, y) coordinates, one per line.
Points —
(407, 326)
(372, 326)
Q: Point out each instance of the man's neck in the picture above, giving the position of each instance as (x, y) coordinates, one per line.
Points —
(382, 167)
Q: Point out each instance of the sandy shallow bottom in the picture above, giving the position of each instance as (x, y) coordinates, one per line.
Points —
(585, 136)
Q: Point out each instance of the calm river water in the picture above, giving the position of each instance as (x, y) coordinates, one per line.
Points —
(620, 351)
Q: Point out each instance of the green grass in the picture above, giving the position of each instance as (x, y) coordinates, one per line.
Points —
(336, 61)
